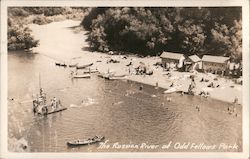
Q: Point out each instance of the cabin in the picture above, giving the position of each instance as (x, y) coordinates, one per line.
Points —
(215, 64)
(192, 63)
(172, 60)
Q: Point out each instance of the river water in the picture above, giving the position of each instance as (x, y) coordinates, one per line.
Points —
(116, 109)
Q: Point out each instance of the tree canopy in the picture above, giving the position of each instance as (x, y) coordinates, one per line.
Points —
(151, 30)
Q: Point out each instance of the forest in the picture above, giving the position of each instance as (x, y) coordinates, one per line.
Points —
(151, 30)
(140, 30)
(20, 36)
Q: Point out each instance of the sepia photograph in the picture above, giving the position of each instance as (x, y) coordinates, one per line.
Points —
(95, 79)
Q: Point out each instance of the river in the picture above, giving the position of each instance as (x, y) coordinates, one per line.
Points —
(115, 109)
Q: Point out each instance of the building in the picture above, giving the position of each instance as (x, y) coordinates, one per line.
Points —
(215, 64)
(172, 60)
(192, 63)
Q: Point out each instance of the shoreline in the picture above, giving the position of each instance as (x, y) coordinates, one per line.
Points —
(227, 90)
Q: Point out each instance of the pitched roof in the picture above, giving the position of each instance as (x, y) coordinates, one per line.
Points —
(194, 58)
(171, 55)
(216, 59)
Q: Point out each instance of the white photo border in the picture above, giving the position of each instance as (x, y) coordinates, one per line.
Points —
(4, 153)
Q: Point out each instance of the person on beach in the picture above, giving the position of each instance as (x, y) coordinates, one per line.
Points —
(156, 85)
(169, 99)
(141, 87)
(236, 100)
(191, 87)
(198, 108)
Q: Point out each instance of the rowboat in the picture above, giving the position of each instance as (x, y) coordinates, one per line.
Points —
(171, 90)
(81, 76)
(57, 110)
(81, 142)
(73, 65)
(115, 77)
(60, 64)
(84, 66)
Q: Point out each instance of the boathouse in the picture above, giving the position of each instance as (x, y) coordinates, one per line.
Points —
(172, 60)
(192, 63)
(215, 64)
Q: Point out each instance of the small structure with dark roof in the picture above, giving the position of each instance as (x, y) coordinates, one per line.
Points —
(215, 64)
(171, 60)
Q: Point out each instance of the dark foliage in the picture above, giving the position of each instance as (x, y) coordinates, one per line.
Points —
(151, 30)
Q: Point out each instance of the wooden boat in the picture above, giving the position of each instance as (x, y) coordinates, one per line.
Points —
(57, 110)
(171, 90)
(44, 113)
(81, 76)
(90, 71)
(73, 65)
(81, 142)
(57, 64)
(41, 106)
(60, 64)
(115, 77)
(84, 66)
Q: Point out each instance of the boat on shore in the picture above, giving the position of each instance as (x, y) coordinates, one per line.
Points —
(60, 64)
(73, 65)
(82, 142)
(82, 76)
(111, 76)
(170, 90)
(115, 77)
(84, 66)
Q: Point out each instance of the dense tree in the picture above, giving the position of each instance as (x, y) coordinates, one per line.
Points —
(151, 30)
(19, 37)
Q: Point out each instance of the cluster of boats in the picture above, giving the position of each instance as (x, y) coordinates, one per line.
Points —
(76, 65)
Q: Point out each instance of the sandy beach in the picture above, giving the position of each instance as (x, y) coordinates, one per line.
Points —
(226, 91)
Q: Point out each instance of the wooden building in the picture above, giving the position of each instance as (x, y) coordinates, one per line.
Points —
(172, 60)
(215, 64)
(192, 63)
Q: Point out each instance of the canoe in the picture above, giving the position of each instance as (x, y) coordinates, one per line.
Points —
(84, 66)
(171, 90)
(55, 111)
(81, 142)
(52, 112)
(81, 76)
(60, 64)
(73, 65)
(57, 64)
(115, 77)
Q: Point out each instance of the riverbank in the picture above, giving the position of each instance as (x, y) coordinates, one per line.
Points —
(226, 91)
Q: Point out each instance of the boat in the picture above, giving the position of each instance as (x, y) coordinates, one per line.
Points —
(105, 75)
(57, 110)
(42, 107)
(73, 65)
(171, 90)
(81, 142)
(57, 64)
(115, 77)
(82, 76)
(60, 64)
(84, 66)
